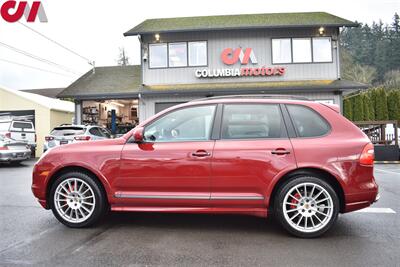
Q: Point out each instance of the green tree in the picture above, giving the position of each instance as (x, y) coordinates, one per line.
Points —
(381, 108)
(366, 107)
(348, 108)
(393, 100)
(358, 108)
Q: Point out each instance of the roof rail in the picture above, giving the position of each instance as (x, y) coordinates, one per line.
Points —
(292, 97)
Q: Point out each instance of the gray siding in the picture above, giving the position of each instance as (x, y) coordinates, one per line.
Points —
(259, 40)
(147, 103)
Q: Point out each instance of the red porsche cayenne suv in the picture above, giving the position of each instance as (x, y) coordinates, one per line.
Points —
(298, 160)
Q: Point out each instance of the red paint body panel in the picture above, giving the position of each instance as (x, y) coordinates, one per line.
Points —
(238, 176)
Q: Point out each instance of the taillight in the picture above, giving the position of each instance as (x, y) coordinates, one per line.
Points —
(367, 156)
(3, 148)
(8, 135)
(82, 138)
(36, 138)
(48, 138)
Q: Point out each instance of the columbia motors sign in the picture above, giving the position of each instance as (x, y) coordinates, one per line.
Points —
(13, 11)
(231, 56)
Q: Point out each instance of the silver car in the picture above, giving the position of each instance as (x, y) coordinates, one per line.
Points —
(13, 151)
(66, 134)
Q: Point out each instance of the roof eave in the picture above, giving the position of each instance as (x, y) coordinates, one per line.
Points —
(134, 33)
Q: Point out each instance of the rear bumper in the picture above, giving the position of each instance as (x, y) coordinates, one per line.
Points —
(14, 155)
(361, 200)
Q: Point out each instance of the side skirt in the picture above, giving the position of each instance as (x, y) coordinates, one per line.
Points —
(258, 212)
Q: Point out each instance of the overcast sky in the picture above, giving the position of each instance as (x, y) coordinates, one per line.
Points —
(95, 30)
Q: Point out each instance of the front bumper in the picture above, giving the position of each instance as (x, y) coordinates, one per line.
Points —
(378, 196)
(14, 155)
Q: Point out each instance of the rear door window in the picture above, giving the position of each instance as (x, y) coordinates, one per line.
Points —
(251, 121)
(307, 122)
(68, 131)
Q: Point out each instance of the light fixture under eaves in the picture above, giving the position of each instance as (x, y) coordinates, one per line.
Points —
(157, 37)
(321, 30)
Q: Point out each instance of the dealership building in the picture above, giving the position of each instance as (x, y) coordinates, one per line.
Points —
(194, 57)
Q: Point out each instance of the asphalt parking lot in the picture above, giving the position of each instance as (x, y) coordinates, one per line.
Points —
(30, 235)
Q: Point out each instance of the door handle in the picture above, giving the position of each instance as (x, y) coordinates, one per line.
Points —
(280, 152)
(201, 154)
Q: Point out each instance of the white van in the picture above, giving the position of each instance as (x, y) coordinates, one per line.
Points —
(19, 130)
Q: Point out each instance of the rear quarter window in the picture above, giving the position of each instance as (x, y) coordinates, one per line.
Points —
(307, 122)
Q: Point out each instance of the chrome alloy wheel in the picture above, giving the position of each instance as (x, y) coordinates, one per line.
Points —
(308, 207)
(74, 200)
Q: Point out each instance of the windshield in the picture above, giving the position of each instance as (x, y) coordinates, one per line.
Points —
(67, 131)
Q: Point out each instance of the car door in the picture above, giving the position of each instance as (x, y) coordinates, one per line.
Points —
(253, 148)
(173, 166)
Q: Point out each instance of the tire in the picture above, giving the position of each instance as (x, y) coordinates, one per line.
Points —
(77, 200)
(306, 215)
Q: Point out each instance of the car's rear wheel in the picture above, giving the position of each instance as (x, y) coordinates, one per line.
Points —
(77, 200)
(307, 206)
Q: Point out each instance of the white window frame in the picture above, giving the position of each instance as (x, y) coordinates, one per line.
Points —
(272, 49)
(187, 55)
(188, 51)
(291, 50)
(167, 44)
(312, 45)
(158, 67)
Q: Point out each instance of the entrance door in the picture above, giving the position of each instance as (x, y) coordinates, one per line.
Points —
(173, 166)
(252, 150)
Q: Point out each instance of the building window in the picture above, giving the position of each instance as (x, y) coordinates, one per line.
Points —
(197, 53)
(177, 54)
(281, 51)
(322, 49)
(301, 50)
(158, 55)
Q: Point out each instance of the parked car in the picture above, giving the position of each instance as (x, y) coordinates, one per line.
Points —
(298, 160)
(66, 134)
(19, 130)
(13, 151)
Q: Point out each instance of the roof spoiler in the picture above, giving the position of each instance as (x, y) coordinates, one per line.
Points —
(334, 107)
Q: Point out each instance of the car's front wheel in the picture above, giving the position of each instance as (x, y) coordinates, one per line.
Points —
(307, 206)
(77, 200)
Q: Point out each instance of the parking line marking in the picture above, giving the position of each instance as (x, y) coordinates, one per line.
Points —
(376, 210)
(391, 172)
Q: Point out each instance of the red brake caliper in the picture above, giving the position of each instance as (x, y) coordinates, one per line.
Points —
(294, 201)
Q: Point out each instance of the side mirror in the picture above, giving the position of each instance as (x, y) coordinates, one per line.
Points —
(138, 135)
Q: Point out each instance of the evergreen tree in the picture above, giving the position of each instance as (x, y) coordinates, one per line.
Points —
(348, 108)
(381, 108)
(358, 108)
(394, 104)
(367, 104)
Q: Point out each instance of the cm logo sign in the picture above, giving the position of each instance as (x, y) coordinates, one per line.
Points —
(230, 56)
(12, 11)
